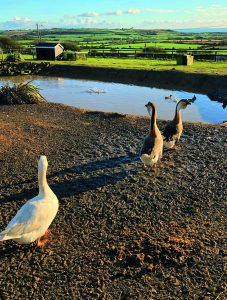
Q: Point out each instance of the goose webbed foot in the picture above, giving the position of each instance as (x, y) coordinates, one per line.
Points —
(154, 166)
(47, 233)
(41, 242)
(43, 239)
(176, 148)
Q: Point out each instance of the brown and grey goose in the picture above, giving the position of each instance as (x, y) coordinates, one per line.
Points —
(173, 130)
(152, 148)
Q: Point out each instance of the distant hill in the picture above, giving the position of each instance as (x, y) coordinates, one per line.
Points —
(201, 30)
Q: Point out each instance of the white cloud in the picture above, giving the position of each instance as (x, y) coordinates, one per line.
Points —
(70, 21)
(132, 11)
(18, 23)
(200, 16)
(155, 10)
(212, 10)
(21, 19)
(17, 19)
(187, 23)
(113, 13)
(118, 12)
(90, 14)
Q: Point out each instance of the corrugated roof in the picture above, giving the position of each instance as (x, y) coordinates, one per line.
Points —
(48, 45)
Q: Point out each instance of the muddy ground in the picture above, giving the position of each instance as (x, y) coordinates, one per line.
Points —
(121, 232)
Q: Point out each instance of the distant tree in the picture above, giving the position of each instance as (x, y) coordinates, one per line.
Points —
(8, 43)
(70, 46)
(198, 37)
(224, 42)
(154, 50)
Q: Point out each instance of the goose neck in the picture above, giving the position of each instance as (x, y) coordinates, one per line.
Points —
(177, 117)
(153, 125)
(42, 180)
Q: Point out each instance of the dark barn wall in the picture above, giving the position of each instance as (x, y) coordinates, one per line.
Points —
(45, 53)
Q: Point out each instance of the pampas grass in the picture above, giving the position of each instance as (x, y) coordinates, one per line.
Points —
(22, 93)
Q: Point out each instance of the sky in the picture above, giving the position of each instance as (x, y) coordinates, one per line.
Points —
(141, 14)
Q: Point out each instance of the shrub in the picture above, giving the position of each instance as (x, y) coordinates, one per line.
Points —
(22, 93)
(69, 55)
(14, 57)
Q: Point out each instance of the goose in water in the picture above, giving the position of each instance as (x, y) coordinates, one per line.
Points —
(169, 97)
(32, 221)
(173, 130)
(151, 150)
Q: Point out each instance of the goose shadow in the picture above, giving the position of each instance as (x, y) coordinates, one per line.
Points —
(11, 249)
(83, 177)
(90, 176)
(98, 165)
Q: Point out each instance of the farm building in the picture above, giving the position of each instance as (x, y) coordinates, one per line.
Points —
(48, 51)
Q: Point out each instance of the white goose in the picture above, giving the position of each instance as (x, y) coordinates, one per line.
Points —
(32, 221)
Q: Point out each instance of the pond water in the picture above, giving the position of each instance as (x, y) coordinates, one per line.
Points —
(123, 98)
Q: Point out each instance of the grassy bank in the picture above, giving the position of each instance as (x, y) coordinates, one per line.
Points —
(219, 68)
(203, 67)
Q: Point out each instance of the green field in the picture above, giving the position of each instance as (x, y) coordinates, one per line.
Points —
(120, 38)
(129, 40)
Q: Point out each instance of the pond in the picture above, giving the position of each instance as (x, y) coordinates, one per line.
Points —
(123, 98)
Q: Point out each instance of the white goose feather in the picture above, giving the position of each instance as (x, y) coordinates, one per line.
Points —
(34, 218)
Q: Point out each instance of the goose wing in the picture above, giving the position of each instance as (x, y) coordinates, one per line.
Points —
(148, 146)
(170, 132)
(28, 219)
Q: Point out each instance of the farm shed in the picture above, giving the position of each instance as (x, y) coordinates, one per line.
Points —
(184, 59)
(48, 51)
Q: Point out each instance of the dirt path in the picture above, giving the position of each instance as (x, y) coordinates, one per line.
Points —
(121, 232)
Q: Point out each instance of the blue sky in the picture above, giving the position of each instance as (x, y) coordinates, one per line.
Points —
(25, 14)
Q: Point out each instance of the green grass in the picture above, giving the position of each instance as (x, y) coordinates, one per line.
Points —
(219, 68)
(206, 67)
(197, 67)
(26, 57)
(131, 40)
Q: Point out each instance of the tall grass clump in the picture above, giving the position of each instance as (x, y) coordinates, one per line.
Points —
(14, 57)
(22, 93)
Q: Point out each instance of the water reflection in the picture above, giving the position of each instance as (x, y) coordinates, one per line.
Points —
(123, 98)
(219, 97)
